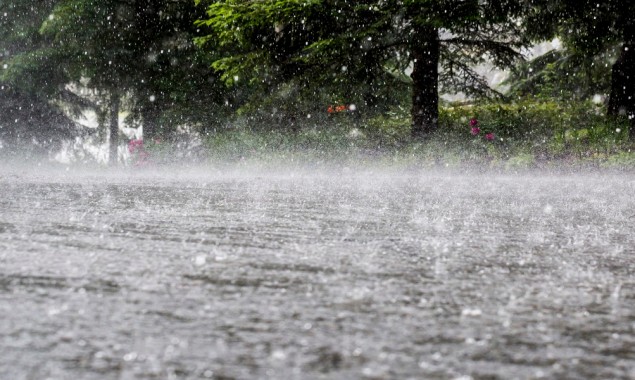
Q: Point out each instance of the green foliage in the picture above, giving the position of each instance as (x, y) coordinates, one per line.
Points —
(620, 160)
(30, 79)
(391, 129)
(28, 61)
(563, 74)
(358, 50)
(592, 30)
(144, 51)
(316, 144)
(286, 61)
(527, 134)
(585, 26)
(547, 129)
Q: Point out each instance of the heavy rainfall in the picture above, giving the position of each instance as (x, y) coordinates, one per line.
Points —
(312, 189)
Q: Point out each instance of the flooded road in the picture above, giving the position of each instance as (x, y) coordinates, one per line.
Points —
(350, 275)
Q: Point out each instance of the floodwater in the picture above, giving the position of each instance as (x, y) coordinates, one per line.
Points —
(299, 275)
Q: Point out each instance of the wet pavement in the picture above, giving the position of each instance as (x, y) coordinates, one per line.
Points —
(299, 275)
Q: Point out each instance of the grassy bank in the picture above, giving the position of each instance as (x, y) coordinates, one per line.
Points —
(522, 135)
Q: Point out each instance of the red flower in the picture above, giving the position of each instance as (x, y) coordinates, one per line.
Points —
(473, 122)
(489, 137)
(475, 131)
(330, 109)
(135, 145)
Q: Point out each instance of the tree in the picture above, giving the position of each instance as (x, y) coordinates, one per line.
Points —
(329, 42)
(31, 83)
(592, 29)
(138, 54)
(563, 74)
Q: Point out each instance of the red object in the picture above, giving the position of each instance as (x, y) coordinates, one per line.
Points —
(489, 137)
(475, 131)
(337, 108)
(139, 155)
(473, 122)
(135, 145)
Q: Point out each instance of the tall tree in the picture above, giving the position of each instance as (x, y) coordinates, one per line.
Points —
(591, 29)
(30, 81)
(140, 55)
(327, 41)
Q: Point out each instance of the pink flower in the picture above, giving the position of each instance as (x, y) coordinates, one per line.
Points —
(473, 122)
(475, 131)
(489, 137)
(134, 145)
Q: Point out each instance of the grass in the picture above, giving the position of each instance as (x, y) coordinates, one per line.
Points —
(527, 135)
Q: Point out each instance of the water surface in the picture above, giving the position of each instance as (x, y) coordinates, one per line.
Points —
(298, 275)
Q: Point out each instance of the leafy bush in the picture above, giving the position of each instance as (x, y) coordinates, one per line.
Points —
(524, 134)
(545, 129)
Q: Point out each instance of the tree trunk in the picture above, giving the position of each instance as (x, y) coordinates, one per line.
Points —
(425, 81)
(622, 97)
(102, 122)
(114, 128)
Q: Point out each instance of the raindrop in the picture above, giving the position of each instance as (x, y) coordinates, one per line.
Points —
(471, 312)
(199, 260)
(278, 355)
(220, 257)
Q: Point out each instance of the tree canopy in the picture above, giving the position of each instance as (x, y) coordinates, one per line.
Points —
(591, 30)
(198, 62)
(30, 80)
(139, 51)
(365, 45)
(132, 51)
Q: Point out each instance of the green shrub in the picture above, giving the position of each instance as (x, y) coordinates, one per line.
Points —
(526, 133)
